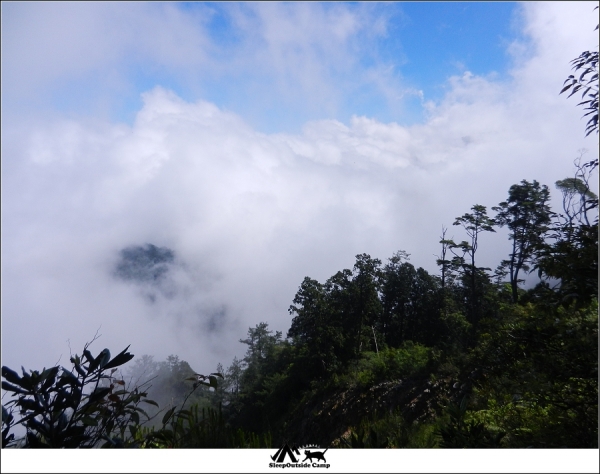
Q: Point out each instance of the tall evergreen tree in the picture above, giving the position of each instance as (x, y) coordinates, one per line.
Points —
(474, 224)
(527, 215)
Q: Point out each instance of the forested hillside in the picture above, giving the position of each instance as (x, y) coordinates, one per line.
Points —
(388, 355)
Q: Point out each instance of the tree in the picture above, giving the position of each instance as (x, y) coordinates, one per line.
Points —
(441, 260)
(428, 297)
(334, 321)
(397, 282)
(316, 327)
(337, 318)
(575, 195)
(366, 304)
(233, 376)
(340, 316)
(143, 369)
(578, 198)
(527, 215)
(574, 256)
(260, 342)
(588, 82)
(572, 259)
(474, 224)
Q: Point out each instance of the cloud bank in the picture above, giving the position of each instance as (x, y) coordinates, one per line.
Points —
(249, 214)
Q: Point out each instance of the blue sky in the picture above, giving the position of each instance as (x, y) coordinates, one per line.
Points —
(395, 57)
(444, 39)
(262, 143)
(424, 43)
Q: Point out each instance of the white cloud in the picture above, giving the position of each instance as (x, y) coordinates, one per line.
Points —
(295, 60)
(250, 214)
(54, 52)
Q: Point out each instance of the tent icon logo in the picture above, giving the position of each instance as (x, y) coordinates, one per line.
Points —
(284, 451)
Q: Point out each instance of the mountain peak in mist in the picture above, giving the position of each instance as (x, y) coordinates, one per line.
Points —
(144, 263)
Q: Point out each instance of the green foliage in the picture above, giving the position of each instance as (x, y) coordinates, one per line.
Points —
(390, 431)
(587, 83)
(474, 224)
(473, 279)
(355, 311)
(457, 330)
(529, 368)
(410, 300)
(200, 428)
(572, 253)
(527, 216)
(542, 375)
(392, 363)
(90, 406)
(460, 432)
(61, 408)
(574, 261)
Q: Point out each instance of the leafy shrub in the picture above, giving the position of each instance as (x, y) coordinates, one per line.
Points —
(77, 408)
(541, 384)
(392, 363)
(82, 407)
(460, 431)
